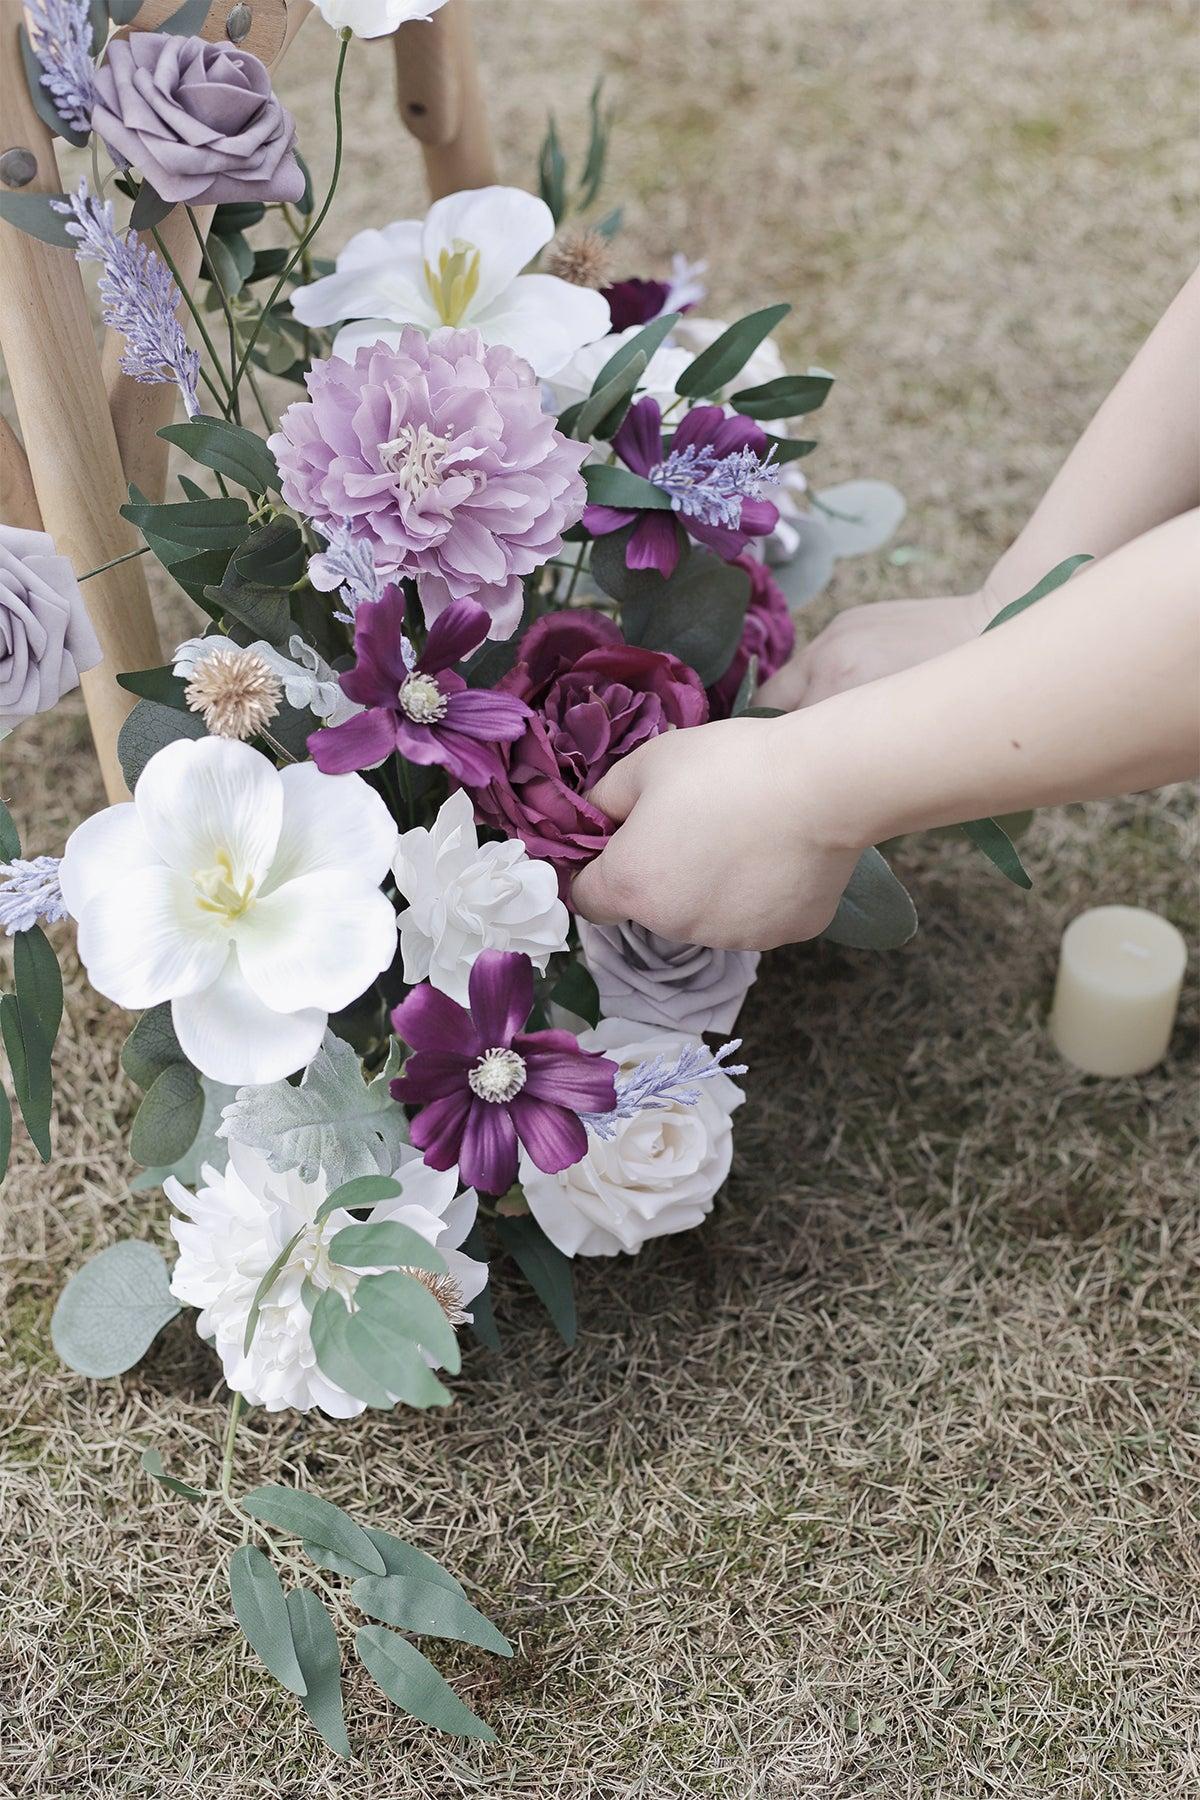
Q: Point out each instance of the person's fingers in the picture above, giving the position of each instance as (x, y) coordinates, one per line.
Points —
(616, 793)
(595, 891)
(786, 689)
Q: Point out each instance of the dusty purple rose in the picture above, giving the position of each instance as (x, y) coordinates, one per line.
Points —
(594, 699)
(437, 453)
(483, 1083)
(426, 711)
(769, 634)
(46, 637)
(199, 121)
(684, 987)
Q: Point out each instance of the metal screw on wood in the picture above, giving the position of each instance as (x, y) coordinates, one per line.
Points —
(237, 23)
(18, 167)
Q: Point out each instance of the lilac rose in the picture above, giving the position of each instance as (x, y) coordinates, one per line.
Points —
(198, 121)
(46, 637)
(684, 987)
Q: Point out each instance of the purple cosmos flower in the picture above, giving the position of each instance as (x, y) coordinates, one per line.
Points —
(635, 301)
(426, 711)
(714, 468)
(483, 1084)
(438, 453)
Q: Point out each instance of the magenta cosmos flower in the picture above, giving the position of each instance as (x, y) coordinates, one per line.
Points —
(714, 469)
(437, 453)
(769, 634)
(483, 1084)
(426, 712)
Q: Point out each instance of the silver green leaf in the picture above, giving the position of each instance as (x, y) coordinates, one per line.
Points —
(859, 515)
(412, 1682)
(261, 1611)
(316, 1646)
(112, 1309)
(308, 1516)
(206, 1147)
(427, 1609)
(333, 1121)
(399, 1558)
(875, 912)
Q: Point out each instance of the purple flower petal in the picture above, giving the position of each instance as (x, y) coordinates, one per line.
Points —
(433, 1075)
(554, 1138)
(600, 520)
(357, 743)
(483, 713)
(655, 544)
(378, 629)
(454, 634)
(438, 1129)
(429, 1020)
(487, 1157)
(577, 1079)
(639, 441)
(501, 991)
(699, 426)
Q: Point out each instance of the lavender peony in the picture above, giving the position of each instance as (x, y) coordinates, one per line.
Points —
(436, 452)
(46, 637)
(683, 987)
(199, 121)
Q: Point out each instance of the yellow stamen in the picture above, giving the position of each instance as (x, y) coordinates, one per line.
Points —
(453, 285)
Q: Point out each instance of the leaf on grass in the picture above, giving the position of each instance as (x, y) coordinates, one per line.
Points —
(400, 1558)
(546, 1269)
(334, 1120)
(112, 1309)
(412, 1683)
(152, 1462)
(875, 912)
(427, 1609)
(315, 1643)
(308, 1516)
(859, 516)
(262, 1613)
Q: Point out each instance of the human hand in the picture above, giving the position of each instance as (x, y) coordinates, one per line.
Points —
(867, 642)
(721, 840)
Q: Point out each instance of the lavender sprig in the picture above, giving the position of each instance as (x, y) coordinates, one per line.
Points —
(29, 892)
(60, 32)
(652, 1087)
(138, 296)
(711, 488)
(348, 564)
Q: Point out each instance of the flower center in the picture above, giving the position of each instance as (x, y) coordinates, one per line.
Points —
(414, 457)
(218, 892)
(445, 1291)
(453, 284)
(499, 1076)
(422, 700)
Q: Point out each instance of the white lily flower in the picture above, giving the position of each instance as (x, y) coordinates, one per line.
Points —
(459, 266)
(246, 895)
(240, 1221)
(375, 18)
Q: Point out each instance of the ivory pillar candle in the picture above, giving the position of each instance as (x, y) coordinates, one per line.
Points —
(1119, 976)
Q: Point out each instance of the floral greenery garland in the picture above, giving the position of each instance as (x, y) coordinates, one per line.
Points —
(461, 608)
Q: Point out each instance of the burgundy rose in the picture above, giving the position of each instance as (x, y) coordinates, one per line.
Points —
(635, 301)
(769, 634)
(595, 698)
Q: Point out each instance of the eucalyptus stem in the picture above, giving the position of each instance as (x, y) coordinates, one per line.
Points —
(128, 557)
(223, 401)
(230, 326)
(344, 34)
(571, 585)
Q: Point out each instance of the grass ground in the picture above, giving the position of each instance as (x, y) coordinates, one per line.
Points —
(883, 1483)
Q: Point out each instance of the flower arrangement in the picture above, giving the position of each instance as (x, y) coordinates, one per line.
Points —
(521, 517)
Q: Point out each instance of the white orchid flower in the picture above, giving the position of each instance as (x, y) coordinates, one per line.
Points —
(375, 18)
(460, 266)
(246, 895)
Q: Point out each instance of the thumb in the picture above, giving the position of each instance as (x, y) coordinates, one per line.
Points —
(617, 792)
(594, 894)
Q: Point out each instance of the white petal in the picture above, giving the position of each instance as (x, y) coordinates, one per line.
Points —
(105, 849)
(331, 822)
(227, 1032)
(319, 940)
(384, 289)
(506, 225)
(543, 319)
(144, 939)
(369, 332)
(204, 798)
(458, 1219)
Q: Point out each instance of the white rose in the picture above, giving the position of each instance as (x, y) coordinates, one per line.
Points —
(465, 897)
(659, 1174)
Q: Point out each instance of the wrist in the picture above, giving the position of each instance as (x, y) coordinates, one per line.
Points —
(827, 797)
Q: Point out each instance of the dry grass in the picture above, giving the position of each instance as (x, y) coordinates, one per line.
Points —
(883, 1484)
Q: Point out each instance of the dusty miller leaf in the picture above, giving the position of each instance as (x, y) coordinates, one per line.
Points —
(333, 1121)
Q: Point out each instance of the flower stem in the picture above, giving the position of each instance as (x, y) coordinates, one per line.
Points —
(128, 557)
(230, 327)
(221, 400)
(310, 234)
(235, 1413)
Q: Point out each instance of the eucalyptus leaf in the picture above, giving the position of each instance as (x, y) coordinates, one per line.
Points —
(149, 209)
(546, 1269)
(261, 1611)
(314, 1641)
(859, 516)
(698, 615)
(166, 1123)
(601, 413)
(187, 20)
(385, 1244)
(396, 1303)
(29, 1061)
(608, 485)
(35, 216)
(991, 838)
(336, 1349)
(577, 991)
(224, 268)
(38, 983)
(333, 1121)
(1061, 572)
(206, 1147)
(412, 1682)
(229, 449)
(160, 684)
(193, 525)
(875, 912)
(808, 573)
(10, 837)
(597, 151)
(149, 727)
(124, 12)
(552, 172)
(359, 1193)
(112, 1309)
(428, 1610)
(400, 1558)
(152, 1462)
(784, 398)
(727, 355)
(6, 1131)
(643, 343)
(308, 1516)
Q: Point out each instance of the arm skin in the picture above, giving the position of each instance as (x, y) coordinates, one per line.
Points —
(1136, 465)
(743, 833)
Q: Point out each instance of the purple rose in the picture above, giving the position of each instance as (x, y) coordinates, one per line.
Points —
(769, 634)
(683, 987)
(437, 453)
(199, 121)
(594, 699)
(46, 637)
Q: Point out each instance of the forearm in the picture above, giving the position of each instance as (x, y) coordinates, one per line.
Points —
(1136, 465)
(1092, 691)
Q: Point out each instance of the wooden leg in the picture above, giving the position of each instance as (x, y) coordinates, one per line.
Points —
(49, 348)
(18, 502)
(440, 99)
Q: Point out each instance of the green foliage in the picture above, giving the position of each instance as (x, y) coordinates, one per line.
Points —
(608, 484)
(152, 1463)
(600, 415)
(112, 1309)
(187, 20)
(698, 614)
(552, 162)
(308, 1516)
(262, 1612)
(229, 449)
(6, 1132)
(426, 1609)
(176, 529)
(785, 397)
(169, 1117)
(875, 912)
(10, 838)
(29, 1021)
(545, 1268)
(727, 355)
(1059, 574)
(859, 516)
(374, 1352)
(383, 1245)
(576, 990)
(206, 1146)
(989, 836)
(149, 208)
(362, 1192)
(314, 1642)
(552, 172)
(159, 684)
(35, 216)
(412, 1683)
